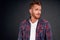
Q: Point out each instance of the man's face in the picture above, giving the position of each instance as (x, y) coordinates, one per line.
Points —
(35, 11)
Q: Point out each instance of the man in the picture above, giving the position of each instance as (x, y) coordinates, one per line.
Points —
(35, 28)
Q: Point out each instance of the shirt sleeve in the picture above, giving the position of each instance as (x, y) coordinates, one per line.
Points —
(48, 31)
(20, 33)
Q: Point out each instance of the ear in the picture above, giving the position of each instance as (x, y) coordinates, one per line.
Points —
(30, 11)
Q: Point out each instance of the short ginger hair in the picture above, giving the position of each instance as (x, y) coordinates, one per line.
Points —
(33, 3)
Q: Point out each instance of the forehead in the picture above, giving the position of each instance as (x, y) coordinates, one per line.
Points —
(36, 6)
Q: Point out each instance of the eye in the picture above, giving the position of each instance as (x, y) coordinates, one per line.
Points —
(36, 9)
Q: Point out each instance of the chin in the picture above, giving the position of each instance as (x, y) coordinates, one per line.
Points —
(37, 17)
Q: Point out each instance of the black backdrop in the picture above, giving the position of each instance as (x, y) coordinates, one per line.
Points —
(14, 11)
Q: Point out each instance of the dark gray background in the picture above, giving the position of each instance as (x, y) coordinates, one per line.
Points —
(14, 11)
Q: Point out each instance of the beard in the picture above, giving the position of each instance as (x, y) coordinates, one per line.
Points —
(36, 16)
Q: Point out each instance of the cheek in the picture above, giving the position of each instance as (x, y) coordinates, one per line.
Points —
(35, 12)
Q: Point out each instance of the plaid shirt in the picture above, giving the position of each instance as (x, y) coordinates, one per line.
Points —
(43, 30)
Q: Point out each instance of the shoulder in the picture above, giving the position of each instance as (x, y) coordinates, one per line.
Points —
(23, 21)
(43, 20)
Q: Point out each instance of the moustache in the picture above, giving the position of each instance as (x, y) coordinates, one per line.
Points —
(38, 14)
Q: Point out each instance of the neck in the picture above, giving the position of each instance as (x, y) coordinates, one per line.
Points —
(33, 19)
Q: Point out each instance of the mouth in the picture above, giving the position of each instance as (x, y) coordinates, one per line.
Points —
(37, 14)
